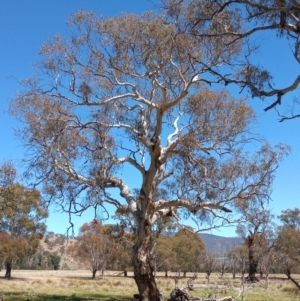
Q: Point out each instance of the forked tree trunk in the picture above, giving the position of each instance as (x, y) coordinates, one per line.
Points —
(8, 270)
(143, 270)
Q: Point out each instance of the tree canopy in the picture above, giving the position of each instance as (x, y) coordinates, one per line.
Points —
(188, 248)
(93, 247)
(256, 231)
(123, 115)
(244, 23)
(22, 217)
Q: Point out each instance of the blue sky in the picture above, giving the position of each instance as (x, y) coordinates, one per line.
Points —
(26, 24)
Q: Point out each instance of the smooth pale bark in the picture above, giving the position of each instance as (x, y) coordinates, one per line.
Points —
(143, 270)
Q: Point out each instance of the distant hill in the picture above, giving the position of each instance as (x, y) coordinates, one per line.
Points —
(219, 244)
(57, 244)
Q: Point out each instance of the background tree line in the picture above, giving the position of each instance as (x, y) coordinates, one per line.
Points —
(267, 249)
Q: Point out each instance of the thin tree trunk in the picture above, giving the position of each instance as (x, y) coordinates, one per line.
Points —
(166, 274)
(207, 276)
(288, 273)
(233, 272)
(94, 274)
(252, 267)
(125, 273)
(8, 270)
(143, 270)
(267, 280)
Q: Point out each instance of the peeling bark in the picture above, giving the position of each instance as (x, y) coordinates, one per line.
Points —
(143, 270)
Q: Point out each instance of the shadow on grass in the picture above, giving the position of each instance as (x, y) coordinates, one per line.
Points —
(13, 278)
(14, 296)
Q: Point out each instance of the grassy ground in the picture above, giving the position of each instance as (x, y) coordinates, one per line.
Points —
(78, 286)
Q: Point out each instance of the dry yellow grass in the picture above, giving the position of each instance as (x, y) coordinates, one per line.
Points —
(78, 285)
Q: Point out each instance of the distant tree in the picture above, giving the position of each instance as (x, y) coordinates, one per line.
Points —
(165, 256)
(40, 260)
(290, 218)
(123, 243)
(54, 261)
(12, 249)
(207, 262)
(238, 256)
(255, 231)
(21, 219)
(187, 246)
(269, 261)
(288, 242)
(123, 258)
(134, 92)
(222, 264)
(93, 248)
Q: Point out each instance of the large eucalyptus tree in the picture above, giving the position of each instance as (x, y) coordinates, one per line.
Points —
(122, 114)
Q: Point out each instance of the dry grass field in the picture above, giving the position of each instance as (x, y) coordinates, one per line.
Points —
(78, 286)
